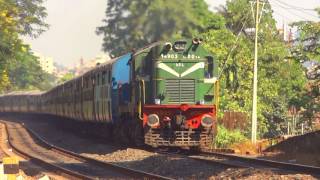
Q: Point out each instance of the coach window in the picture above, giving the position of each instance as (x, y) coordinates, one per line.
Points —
(98, 79)
(109, 75)
(92, 81)
(78, 86)
(104, 77)
(144, 66)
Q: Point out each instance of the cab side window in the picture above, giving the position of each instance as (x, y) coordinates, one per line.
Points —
(209, 67)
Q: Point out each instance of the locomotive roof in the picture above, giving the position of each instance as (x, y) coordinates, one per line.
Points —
(103, 65)
(134, 53)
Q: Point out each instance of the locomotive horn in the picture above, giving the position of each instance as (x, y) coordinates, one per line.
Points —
(168, 46)
(195, 41)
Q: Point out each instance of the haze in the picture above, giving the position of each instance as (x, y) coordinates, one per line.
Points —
(73, 23)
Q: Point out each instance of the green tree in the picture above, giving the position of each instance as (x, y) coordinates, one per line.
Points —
(306, 48)
(280, 82)
(25, 73)
(65, 78)
(18, 17)
(133, 24)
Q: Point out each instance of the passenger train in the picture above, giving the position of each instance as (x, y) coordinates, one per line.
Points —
(160, 95)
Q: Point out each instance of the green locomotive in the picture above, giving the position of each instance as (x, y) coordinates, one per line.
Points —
(177, 87)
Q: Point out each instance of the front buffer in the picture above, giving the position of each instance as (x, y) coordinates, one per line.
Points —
(179, 125)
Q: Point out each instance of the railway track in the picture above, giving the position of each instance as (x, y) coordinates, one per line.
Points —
(258, 163)
(3, 152)
(213, 161)
(241, 162)
(63, 162)
(226, 161)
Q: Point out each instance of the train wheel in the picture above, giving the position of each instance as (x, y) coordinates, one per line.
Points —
(124, 133)
(116, 134)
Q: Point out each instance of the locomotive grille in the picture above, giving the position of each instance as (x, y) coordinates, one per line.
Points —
(180, 90)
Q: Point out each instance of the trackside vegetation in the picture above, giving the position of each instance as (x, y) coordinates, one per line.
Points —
(19, 68)
(282, 80)
(225, 138)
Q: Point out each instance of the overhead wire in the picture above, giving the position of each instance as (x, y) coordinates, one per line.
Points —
(234, 45)
(284, 17)
(295, 7)
(290, 10)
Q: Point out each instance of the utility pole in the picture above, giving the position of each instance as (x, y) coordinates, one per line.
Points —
(255, 74)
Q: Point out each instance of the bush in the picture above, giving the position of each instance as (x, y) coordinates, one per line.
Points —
(225, 138)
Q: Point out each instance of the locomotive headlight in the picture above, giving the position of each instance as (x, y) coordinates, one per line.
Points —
(153, 120)
(206, 121)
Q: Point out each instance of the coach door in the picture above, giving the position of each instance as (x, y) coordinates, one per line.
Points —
(120, 86)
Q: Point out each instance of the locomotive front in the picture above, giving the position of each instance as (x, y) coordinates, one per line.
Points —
(183, 111)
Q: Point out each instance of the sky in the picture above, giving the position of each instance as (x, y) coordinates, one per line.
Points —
(72, 26)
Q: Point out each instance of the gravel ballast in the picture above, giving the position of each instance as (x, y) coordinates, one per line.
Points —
(175, 167)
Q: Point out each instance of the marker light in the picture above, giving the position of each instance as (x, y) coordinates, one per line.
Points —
(201, 102)
(157, 101)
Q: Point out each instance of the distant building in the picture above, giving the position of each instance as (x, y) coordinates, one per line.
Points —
(46, 63)
(287, 33)
(60, 70)
(84, 65)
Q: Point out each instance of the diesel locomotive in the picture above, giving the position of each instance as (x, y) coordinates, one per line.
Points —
(160, 95)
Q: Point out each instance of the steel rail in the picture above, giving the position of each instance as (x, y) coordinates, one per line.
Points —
(124, 170)
(268, 163)
(208, 161)
(56, 169)
(6, 154)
